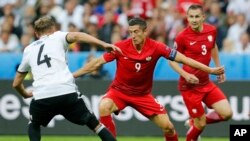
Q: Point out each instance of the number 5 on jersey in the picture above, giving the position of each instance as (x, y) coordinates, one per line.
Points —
(46, 58)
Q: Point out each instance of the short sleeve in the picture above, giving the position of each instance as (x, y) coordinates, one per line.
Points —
(166, 51)
(24, 65)
(109, 57)
(62, 36)
(178, 44)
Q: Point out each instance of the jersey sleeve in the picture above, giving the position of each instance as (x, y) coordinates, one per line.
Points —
(168, 52)
(62, 37)
(179, 44)
(24, 65)
(111, 56)
(108, 57)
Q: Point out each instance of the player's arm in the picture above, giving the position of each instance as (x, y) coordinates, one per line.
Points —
(190, 78)
(83, 37)
(195, 64)
(215, 56)
(92, 65)
(18, 85)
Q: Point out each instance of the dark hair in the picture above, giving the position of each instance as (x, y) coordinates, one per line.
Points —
(44, 24)
(194, 7)
(138, 21)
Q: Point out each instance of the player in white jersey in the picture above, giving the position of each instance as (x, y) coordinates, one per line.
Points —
(55, 91)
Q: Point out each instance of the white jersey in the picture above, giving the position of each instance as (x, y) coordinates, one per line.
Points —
(46, 58)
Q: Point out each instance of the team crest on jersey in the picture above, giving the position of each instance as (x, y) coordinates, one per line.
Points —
(149, 58)
(210, 38)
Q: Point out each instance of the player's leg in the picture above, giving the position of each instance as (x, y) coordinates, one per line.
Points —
(34, 131)
(106, 108)
(193, 102)
(222, 109)
(75, 110)
(40, 114)
(111, 102)
(196, 127)
(162, 121)
(148, 106)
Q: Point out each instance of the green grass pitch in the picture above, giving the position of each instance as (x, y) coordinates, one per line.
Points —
(95, 138)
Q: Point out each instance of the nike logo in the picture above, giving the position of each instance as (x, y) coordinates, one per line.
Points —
(192, 43)
(125, 58)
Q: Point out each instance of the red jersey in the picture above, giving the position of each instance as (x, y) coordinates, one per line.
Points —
(198, 46)
(134, 74)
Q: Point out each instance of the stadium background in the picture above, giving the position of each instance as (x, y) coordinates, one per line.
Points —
(107, 20)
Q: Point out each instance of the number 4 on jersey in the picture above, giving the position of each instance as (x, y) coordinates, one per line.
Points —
(46, 58)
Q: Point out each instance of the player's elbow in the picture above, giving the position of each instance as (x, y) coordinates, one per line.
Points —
(15, 85)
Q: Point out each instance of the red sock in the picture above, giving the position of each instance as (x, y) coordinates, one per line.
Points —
(193, 133)
(213, 117)
(109, 123)
(171, 138)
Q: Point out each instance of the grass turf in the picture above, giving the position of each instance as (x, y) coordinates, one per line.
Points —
(95, 138)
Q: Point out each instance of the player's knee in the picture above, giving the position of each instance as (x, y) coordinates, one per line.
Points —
(105, 107)
(201, 124)
(168, 129)
(228, 115)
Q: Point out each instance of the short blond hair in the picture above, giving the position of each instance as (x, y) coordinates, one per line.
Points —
(44, 24)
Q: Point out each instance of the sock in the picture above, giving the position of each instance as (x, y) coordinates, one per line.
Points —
(104, 134)
(193, 134)
(171, 138)
(109, 123)
(34, 132)
(213, 117)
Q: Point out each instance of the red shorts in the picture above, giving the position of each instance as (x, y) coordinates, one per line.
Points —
(147, 105)
(193, 100)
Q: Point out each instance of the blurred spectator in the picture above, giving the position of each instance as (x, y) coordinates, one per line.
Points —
(74, 47)
(141, 8)
(88, 16)
(177, 25)
(43, 8)
(92, 30)
(157, 26)
(182, 5)
(218, 19)
(116, 37)
(8, 41)
(72, 13)
(106, 30)
(17, 30)
(243, 45)
(55, 10)
(239, 7)
(26, 39)
(239, 27)
(227, 46)
(28, 16)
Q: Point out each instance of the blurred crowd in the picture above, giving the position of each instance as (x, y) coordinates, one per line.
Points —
(108, 20)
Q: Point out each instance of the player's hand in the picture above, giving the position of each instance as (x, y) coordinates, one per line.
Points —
(112, 48)
(221, 78)
(218, 70)
(28, 94)
(192, 79)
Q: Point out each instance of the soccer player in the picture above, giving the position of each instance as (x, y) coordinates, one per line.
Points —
(55, 91)
(132, 84)
(197, 41)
